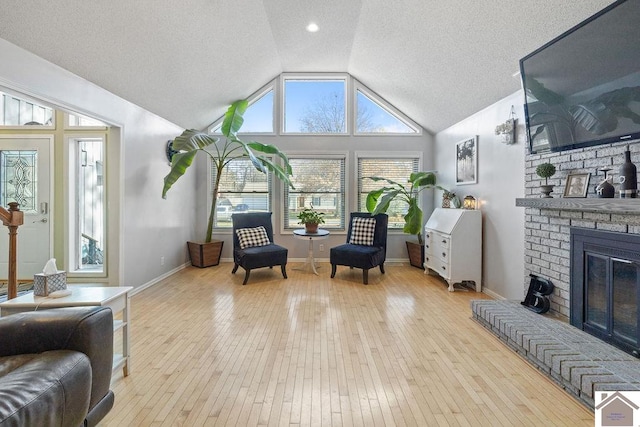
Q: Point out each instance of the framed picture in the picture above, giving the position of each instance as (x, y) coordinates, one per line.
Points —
(577, 185)
(467, 161)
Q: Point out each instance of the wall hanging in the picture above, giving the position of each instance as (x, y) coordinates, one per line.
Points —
(507, 130)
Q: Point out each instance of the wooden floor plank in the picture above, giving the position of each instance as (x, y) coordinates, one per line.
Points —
(312, 350)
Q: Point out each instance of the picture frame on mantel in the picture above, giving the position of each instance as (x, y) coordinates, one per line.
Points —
(577, 185)
(467, 161)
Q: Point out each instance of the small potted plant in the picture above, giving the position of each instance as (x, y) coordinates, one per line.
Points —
(311, 219)
(546, 171)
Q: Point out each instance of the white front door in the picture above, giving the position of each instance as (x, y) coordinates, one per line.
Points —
(25, 177)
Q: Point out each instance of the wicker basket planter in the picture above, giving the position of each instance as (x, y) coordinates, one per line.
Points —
(416, 254)
(205, 254)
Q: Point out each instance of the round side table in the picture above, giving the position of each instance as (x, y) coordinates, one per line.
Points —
(302, 234)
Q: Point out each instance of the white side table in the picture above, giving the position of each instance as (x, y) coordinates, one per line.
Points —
(116, 298)
(302, 234)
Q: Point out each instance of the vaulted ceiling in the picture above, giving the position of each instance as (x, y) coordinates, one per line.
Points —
(437, 61)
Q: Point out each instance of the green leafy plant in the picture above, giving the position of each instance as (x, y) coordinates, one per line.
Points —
(378, 201)
(222, 151)
(310, 216)
(546, 171)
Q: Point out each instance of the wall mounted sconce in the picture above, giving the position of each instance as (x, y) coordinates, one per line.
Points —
(469, 202)
(507, 130)
(169, 151)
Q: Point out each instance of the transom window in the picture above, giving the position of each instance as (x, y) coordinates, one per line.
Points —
(80, 121)
(16, 111)
(395, 169)
(319, 183)
(242, 188)
(315, 106)
(372, 117)
(259, 115)
(321, 104)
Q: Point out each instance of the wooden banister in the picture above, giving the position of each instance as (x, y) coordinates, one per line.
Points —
(12, 218)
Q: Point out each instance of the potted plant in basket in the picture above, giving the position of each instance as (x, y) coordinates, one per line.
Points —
(546, 171)
(378, 201)
(311, 219)
(221, 151)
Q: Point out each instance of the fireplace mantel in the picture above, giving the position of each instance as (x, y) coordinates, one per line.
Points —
(619, 206)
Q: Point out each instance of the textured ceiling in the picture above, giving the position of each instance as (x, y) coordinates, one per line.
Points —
(437, 61)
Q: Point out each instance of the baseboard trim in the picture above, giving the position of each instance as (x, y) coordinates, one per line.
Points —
(150, 283)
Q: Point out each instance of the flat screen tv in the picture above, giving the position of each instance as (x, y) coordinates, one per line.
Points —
(583, 87)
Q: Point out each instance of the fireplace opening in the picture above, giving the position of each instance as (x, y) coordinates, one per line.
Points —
(605, 286)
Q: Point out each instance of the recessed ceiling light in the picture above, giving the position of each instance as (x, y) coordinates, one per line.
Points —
(312, 27)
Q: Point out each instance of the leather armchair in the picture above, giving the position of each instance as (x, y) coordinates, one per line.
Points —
(55, 367)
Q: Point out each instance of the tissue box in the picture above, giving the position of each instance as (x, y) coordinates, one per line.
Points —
(44, 284)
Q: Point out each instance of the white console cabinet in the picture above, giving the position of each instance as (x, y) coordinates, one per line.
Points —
(453, 246)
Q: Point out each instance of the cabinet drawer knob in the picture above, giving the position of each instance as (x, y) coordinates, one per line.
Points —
(444, 241)
(444, 268)
(444, 254)
(426, 246)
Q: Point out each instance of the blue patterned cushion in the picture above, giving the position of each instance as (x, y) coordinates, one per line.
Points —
(250, 237)
(362, 230)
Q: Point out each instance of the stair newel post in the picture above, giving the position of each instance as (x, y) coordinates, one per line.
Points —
(12, 218)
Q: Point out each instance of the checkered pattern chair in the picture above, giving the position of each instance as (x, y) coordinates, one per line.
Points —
(366, 245)
(256, 248)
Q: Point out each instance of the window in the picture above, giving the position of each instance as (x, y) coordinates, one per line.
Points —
(242, 188)
(315, 106)
(80, 121)
(318, 182)
(395, 169)
(259, 115)
(20, 112)
(18, 179)
(87, 198)
(373, 117)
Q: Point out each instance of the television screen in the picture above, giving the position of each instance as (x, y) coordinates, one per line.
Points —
(583, 88)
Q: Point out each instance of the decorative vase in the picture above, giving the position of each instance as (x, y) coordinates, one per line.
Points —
(605, 189)
(446, 202)
(628, 177)
(546, 190)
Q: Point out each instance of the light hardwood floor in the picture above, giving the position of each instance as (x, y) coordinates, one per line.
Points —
(312, 350)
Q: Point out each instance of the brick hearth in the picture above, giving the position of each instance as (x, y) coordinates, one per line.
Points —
(578, 362)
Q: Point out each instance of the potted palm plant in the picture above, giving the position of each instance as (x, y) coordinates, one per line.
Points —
(378, 201)
(221, 151)
(311, 219)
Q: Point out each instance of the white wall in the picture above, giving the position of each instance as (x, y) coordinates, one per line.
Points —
(142, 226)
(500, 182)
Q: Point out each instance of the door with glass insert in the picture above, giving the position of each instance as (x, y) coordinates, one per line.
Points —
(25, 177)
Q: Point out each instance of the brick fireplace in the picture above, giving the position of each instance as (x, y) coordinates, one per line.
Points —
(605, 272)
(548, 221)
(579, 362)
